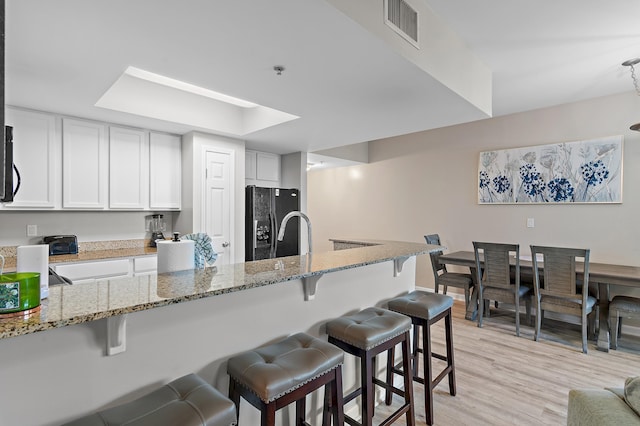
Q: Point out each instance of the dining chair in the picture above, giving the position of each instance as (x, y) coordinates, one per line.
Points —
(557, 288)
(444, 277)
(621, 307)
(495, 280)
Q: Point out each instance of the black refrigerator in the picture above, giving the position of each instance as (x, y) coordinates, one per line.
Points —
(265, 208)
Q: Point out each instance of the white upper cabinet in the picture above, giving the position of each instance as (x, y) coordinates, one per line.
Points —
(75, 164)
(36, 157)
(262, 168)
(84, 164)
(250, 164)
(267, 166)
(128, 168)
(165, 178)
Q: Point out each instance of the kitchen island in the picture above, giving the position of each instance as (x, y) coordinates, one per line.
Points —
(181, 322)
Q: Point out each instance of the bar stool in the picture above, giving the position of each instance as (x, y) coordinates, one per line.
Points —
(187, 401)
(365, 335)
(425, 309)
(274, 376)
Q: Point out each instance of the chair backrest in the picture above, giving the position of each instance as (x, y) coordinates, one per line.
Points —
(437, 267)
(559, 271)
(432, 239)
(494, 260)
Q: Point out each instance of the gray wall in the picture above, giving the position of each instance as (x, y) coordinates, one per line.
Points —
(426, 183)
(88, 226)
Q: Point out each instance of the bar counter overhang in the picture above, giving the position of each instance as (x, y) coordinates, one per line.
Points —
(55, 365)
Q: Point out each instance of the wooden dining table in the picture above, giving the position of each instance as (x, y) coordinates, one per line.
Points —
(603, 275)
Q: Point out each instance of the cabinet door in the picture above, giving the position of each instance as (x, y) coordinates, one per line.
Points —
(35, 154)
(128, 168)
(145, 265)
(250, 164)
(92, 270)
(84, 165)
(165, 164)
(267, 166)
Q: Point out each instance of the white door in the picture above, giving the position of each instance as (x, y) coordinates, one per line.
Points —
(218, 220)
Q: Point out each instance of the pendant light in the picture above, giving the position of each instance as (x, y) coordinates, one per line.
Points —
(630, 63)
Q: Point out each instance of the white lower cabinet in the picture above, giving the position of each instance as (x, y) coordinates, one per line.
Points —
(145, 265)
(83, 272)
(78, 272)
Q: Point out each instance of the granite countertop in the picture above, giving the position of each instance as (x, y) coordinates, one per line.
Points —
(78, 303)
(91, 255)
(359, 241)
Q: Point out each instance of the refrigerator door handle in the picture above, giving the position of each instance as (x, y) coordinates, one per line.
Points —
(274, 235)
(255, 234)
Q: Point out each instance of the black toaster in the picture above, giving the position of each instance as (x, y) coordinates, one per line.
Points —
(61, 244)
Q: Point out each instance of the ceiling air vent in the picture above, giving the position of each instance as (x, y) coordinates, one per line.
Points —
(403, 19)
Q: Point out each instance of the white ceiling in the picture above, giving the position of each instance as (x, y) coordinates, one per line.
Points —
(346, 85)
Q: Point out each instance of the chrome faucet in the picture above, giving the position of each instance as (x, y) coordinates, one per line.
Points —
(284, 224)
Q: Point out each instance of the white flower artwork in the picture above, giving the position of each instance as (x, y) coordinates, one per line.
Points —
(570, 172)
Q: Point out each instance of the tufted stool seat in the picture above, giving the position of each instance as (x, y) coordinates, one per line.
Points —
(365, 335)
(425, 309)
(187, 401)
(276, 375)
(621, 307)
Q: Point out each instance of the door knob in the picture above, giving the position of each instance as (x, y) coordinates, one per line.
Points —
(225, 244)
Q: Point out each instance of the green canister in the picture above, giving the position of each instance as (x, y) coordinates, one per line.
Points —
(19, 291)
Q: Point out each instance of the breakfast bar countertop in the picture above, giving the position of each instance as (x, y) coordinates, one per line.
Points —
(104, 298)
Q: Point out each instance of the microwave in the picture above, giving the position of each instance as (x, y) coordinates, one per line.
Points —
(7, 168)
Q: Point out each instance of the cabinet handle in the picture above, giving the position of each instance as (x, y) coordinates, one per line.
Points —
(225, 244)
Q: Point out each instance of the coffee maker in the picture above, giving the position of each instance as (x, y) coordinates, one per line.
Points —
(157, 226)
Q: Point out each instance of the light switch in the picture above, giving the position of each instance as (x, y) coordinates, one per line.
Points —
(530, 222)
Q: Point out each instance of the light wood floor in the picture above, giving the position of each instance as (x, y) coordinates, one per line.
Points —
(507, 380)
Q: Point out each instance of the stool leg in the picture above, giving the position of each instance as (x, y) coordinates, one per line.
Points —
(337, 398)
(268, 415)
(408, 381)
(428, 382)
(450, 361)
(391, 355)
(414, 353)
(366, 367)
(301, 408)
(328, 403)
(333, 400)
(234, 395)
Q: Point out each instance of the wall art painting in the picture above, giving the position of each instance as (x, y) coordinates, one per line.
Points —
(571, 172)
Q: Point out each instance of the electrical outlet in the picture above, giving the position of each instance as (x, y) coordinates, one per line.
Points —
(530, 222)
(32, 230)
